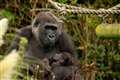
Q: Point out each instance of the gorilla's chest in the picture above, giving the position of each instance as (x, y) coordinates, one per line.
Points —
(34, 49)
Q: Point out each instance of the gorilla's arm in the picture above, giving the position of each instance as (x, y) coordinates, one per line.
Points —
(23, 32)
(65, 44)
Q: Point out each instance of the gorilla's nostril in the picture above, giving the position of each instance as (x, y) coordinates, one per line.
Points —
(51, 36)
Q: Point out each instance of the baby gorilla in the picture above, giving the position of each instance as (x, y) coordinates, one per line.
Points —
(64, 67)
(47, 40)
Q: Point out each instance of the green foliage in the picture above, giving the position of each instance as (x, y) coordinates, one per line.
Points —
(82, 29)
(63, 1)
(68, 1)
(9, 15)
(92, 21)
(23, 42)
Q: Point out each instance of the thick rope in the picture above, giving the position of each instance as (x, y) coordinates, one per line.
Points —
(63, 8)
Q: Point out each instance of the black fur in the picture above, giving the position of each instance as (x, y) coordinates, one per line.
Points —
(40, 47)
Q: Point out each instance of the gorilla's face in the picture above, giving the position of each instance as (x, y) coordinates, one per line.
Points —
(47, 33)
(46, 28)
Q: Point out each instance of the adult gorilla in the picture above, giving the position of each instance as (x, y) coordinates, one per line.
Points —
(47, 42)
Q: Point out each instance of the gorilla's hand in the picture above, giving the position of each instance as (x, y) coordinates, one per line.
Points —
(46, 64)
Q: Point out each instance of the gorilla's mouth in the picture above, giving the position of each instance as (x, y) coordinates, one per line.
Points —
(47, 38)
(48, 41)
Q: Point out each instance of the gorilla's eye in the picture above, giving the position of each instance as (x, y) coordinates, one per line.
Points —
(51, 27)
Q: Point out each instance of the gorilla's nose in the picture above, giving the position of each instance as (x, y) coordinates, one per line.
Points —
(51, 36)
